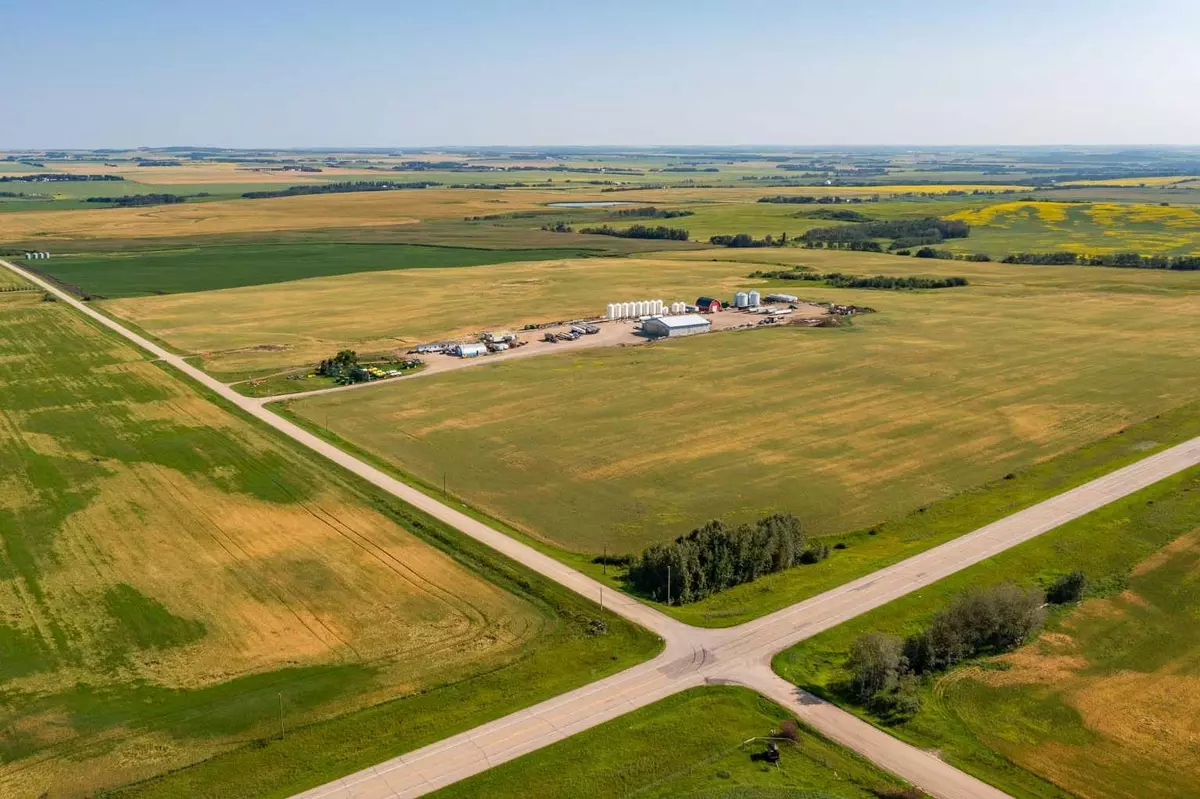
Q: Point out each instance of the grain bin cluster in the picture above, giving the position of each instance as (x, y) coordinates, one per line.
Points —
(634, 310)
(747, 299)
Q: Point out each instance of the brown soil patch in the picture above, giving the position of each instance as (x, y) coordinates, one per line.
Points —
(1190, 542)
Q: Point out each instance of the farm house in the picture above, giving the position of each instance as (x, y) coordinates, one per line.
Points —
(675, 326)
(708, 305)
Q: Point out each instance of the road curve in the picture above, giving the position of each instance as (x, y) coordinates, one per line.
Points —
(692, 656)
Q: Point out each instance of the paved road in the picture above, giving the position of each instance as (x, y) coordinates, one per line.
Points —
(692, 656)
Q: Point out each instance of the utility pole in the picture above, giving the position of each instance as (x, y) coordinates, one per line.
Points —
(604, 562)
(601, 602)
(281, 733)
(668, 585)
(443, 485)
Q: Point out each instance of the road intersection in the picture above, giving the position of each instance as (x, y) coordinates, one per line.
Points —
(692, 656)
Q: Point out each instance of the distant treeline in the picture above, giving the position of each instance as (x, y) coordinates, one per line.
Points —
(903, 232)
(158, 162)
(715, 557)
(746, 240)
(844, 281)
(639, 232)
(339, 188)
(836, 214)
(649, 212)
(792, 199)
(133, 200)
(56, 177)
(689, 169)
(1125, 260)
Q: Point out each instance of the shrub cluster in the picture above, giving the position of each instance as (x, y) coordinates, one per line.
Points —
(746, 240)
(134, 200)
(649, 212)
(639, 232)
(715, 557)
(343, 366)
(837, 214)
(885, 670)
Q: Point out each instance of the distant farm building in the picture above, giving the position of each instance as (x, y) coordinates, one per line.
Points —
(707, 305)
(471, 350)
(675, 326)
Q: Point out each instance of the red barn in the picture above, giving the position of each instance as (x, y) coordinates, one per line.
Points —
(708, 305)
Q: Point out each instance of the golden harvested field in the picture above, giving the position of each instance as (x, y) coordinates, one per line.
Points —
(938, 392)
(300, 322)
(167, 570)
(363, 209)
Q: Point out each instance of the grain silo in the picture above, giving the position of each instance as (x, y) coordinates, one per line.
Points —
(611, 311)
(626, 310)
(741, 300)
(658, 307)
(754, 298)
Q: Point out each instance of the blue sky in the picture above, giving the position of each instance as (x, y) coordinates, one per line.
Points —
(349, 73)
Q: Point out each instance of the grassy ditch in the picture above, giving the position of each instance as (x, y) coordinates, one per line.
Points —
(688, 744)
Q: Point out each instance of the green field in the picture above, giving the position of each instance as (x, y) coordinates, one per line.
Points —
(688, 745)
(210, 268)
(936, 393)
(171, 573)
(1103, 703)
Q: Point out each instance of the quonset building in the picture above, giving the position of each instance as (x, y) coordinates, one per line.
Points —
(675, 326)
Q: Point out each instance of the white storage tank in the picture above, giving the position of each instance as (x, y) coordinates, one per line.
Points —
(643, 308)
(741, 300)
(755, 298)
(626, 310)
(658, 306)
(611, 312)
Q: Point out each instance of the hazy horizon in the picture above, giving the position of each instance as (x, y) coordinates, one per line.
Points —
(934, 74)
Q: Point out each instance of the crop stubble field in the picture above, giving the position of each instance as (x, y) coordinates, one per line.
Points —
(938, 392)
(168, 570)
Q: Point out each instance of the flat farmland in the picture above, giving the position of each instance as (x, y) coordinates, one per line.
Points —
(192, 269)
(309, 212)
(1088, 228)
(938, 392)
(172, 579)
(299, 322)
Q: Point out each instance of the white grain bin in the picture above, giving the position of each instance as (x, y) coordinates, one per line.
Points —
(755, 298)
(741, 300)
(611, 312)
(643, 308)
(658, 307)
(626, 310)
